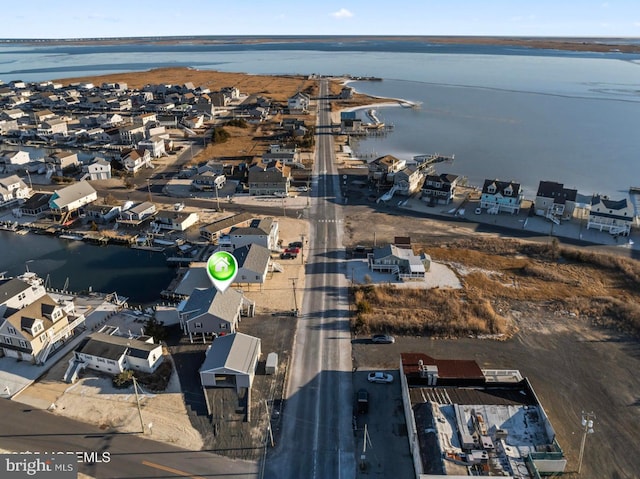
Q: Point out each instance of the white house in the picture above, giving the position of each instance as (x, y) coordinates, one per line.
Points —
(71, 198)
(13, 190)
(154, 145)
(138, 213)
(616, 217)
(263, 232)
(61, 160)
(13, 160)
(175, 220)
(299, 102)
(53, 126)
(253, 263)
(231, 361)
(17, 293)
(196, 121)
(114, 354)
(99, 169)
(133, 160)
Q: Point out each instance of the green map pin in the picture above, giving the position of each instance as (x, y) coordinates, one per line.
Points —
(222, 268)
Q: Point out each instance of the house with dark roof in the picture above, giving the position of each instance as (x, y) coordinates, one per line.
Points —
(399, 261)
(114, 354)
(439, 189)
(36, 205)
(214, 230)
(16, 293)
(554, 200)
(350, 123)
(615, 217)
(384, 168)
(272, 179)
(209, 312)
(498, 196)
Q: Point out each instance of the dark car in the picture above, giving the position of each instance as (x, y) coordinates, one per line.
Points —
(382, 339)
(295, 244)
(362, 398)
(287, 255)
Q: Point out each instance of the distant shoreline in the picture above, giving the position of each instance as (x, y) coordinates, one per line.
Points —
(578, 44)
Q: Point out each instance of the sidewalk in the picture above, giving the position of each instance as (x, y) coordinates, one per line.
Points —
(521, 223)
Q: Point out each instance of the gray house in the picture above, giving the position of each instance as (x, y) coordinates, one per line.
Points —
(253, 263)
(210, 312)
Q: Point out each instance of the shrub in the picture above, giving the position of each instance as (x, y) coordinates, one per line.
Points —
(123, 380)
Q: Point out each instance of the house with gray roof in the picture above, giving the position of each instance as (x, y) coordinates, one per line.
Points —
(399, 261)
(231, 361)
(17, 293)
(70, 199)
(263, 232)
(554, 200)
(114, 354)
(209, 312)
(253, 263)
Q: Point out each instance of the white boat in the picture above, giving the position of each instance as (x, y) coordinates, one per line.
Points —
(72, 237)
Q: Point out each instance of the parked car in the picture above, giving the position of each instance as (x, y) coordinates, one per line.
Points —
(362, 398)
(292, 250)
(287, 255)
(383, 339)
(380, 377)
(295, 244)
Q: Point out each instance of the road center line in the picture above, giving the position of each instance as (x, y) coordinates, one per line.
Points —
(177, 472)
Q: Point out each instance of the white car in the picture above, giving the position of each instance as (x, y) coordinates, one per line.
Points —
(380, 377)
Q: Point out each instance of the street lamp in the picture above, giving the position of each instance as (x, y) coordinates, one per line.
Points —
(587, 428)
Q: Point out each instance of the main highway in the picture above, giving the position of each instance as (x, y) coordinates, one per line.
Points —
(316, 439)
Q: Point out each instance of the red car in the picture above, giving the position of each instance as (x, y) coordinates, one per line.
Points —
(292, 250)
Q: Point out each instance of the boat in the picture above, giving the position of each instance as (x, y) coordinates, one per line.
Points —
(72, 237)
(146, 243)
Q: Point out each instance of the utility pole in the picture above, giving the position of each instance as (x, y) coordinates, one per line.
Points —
(266, 405)
(135, 388)
(302, 249)
(587, 428)
(295, 299)
(149, 189)
(217, 198)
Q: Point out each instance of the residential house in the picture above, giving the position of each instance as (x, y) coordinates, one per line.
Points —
(553, 200)
(263, 232)
(285, 154)
(400, 261)
(102, 213)
(134, 160)
(54, 126)
(32, 332)
(13, 114)
(350, 123)
(384, 168)
(440, 189)
(39, 116)
(37, 205)
(498, 196)
(211, 312)
(208, 180)
(168, 121)
(299, 103)
(65, 202)
(219, 99)
(110, 120)
(114, 354)
(13, 190)
(253, 263)
(60, 161)
(231, 91)
(231, 361)
(175, 220)
(132, 134)
(98, 169)
(137, 213)
(346, 93)
(193, 122)
(16, 293)
(215, 230)
(272, 179)
(408, 180)
(615, 217)
(9, 127)
(154, 145)
(14, 160)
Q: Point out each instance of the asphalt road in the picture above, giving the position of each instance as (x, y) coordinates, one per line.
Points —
(129, 456)
(316, 439)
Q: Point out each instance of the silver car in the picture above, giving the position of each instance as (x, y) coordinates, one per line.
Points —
(380, 377)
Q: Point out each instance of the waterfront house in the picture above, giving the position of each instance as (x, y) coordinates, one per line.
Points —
(154, 145)
(615, 217)
(408, 180)
(37, 205)
(231, 361)
(263, 232)
(13, 191)
(384, 168)
(132, 134)
(31, 333)
(253, 263)
(299, 103)
(53, 126)
(60, 161)
(98, 169)
(399, 261)
(175, 220)
(439, 189)
(272, 179)
(65, 203)
(134, 160)
(113, 354)
(138, 213)
(498, 196)
(554, 201)
(350, 123)
(212, 231)
(13, 160)
(102, 213)
(19, 292)
(211, 312)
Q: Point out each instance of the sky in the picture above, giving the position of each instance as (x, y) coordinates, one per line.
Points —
(135, 18)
